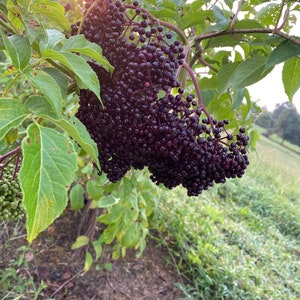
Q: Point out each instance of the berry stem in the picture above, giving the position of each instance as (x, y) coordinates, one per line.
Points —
(198, 93)
(164, 23)
(10, 153)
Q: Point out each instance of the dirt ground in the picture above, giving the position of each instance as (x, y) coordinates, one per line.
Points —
(51, 259)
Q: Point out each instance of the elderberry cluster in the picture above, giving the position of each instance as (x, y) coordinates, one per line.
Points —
(10, 195)
(141, 123)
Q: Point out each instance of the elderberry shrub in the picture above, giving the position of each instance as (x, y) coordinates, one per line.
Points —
(10, 195)
(140, 122)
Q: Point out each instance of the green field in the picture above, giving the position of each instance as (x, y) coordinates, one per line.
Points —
(240, 240)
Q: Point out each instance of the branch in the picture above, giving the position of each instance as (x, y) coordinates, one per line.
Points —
(209, 35)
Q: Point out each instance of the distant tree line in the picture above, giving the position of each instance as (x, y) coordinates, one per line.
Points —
(283, 121)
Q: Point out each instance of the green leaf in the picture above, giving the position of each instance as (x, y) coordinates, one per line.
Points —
(88, 261)
(80, 44)
(131, 238)
(222, 22)
(248, 72)
(98, 249)
(52, 38)
(283, 52)
(48, 166)
(12, 114)
(148, 201)
(77, 196)
(94, 190)
(18, 48)
(48, 86)
(81, 241)
(224, 75)
(86, 75)
(291, 76)
(75, 129)
(39, 106)
(52, 10)
(238, 98)
(113, 216)
(60, 78)
(107, 201)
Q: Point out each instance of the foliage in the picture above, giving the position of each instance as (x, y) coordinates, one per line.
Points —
(222, 243)
(44, 68)
(284, 122)
(265, 120)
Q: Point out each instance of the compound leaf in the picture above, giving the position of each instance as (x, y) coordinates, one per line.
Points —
(49, 163)
(79, 44)
(291, 76)
(52, 10)
(48, 86)
(12, 114)
(87, 77)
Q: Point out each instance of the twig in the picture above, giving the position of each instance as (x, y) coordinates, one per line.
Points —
(235, 15)
(66, 282)
(209, 35)
(198, 93)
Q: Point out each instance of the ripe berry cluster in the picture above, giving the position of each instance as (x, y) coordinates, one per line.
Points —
(10, 195)
(142, 122)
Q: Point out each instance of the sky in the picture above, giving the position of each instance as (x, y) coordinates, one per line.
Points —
(270, 91)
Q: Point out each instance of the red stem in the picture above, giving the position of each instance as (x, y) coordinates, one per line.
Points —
(198, 93)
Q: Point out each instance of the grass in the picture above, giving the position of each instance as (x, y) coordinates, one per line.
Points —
(16, 282)
(240, 240)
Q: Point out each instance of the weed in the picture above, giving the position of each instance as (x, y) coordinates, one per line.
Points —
(16, 281)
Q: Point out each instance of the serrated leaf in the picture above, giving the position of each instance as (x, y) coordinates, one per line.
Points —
(88, 261)
(18, 48)
(148, 200)
(131, 237)
(48, 86)
(107, 201)
(75, 129)
(48, 166)
(77, 197)
(283, 52)
(112, 231)
(81, 241)
(113, 216)
(60, 78)
(52, 38)
(238, 98)
(52, 10)
(12, 114)
(14, 15)
(80, 44)
(291, 76)
(98, 249)
(248, 72)
(39, 106)
(222, 22)
(20, 54)
(224, 75)
(86, 75)
(94, 190)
